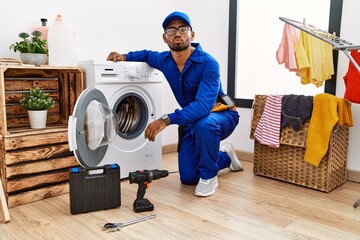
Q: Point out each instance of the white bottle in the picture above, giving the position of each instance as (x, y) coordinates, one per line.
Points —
(61, 44)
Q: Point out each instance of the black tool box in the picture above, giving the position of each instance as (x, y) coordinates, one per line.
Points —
(93, 189)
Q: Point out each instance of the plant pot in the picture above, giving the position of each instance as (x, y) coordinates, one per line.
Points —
(36, 59)
(37, 118)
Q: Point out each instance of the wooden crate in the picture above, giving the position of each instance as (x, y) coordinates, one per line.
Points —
(34, 162)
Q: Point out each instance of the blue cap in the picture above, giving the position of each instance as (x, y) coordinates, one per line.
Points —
(176, 16)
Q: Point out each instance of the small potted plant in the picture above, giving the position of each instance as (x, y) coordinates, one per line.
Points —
(37, 103)
(33, 50)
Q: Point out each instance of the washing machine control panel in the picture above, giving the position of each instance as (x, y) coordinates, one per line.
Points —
(122, 72)
(136, 74)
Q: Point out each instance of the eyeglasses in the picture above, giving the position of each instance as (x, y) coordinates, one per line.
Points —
(172, 30)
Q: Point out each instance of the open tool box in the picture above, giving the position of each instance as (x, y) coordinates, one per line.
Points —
(93, 189)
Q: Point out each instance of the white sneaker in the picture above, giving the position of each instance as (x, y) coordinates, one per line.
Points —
(235, 164)
(206, 187)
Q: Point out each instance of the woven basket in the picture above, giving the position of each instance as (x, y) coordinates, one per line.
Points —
(287, 163)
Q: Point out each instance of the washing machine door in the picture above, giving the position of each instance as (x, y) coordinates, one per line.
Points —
(92, 127)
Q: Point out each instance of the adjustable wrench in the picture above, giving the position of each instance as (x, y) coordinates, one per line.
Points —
(112, 227)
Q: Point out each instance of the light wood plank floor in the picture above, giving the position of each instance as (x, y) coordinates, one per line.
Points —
(244, 207)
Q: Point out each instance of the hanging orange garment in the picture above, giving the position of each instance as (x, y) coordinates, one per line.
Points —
(345, 114)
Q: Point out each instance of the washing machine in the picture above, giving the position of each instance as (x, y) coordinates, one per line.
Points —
(111, 114)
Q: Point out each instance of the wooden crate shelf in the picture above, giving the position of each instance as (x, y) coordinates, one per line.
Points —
(34, 163)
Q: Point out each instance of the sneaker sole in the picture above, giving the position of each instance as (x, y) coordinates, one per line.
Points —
(200, 194)
(232, 152)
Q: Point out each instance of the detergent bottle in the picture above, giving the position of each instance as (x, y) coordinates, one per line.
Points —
(61, 44)
(43, 28)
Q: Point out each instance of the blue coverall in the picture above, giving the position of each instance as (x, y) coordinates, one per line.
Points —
(196, 89)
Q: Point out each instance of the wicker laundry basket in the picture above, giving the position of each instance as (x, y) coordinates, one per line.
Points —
(287, 162)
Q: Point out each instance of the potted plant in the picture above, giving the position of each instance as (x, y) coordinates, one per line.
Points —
(33, 50)
(37, 103)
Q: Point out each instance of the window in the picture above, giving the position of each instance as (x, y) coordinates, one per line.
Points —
(254, 37)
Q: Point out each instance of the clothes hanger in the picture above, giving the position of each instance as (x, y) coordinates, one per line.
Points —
(336, 42)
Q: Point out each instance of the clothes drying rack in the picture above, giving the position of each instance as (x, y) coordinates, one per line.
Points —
(336, 42)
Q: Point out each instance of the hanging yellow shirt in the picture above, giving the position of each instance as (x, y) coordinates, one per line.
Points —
(314, 59)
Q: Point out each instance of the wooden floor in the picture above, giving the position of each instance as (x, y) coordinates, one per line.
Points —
(244, 207)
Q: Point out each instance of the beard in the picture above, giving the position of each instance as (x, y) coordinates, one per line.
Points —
(179, 47)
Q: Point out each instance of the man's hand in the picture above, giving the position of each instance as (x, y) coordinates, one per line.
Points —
(116, 57)
(154, 129)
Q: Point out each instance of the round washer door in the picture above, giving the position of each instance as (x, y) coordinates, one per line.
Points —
(92, 127)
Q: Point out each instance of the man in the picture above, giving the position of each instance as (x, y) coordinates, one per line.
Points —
(194, 78)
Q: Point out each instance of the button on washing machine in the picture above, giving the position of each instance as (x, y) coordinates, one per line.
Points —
(132, 74)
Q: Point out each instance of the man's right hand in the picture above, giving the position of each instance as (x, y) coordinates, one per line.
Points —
(116, 57)
(154, 128)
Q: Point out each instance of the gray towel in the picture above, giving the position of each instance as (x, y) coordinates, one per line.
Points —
(295, 110)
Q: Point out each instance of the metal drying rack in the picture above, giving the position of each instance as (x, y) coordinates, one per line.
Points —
(337, 43)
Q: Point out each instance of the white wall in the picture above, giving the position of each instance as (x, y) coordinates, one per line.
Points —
(124, 25)
(121, 25)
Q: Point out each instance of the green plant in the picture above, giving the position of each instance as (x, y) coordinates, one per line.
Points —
(30, 45)
(36, 99)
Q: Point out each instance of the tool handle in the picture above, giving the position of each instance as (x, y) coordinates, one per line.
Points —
(141, 190)
(140, 219)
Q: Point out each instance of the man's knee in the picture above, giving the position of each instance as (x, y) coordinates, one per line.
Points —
(188, 179)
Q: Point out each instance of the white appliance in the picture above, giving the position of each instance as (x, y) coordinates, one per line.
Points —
(111, 114)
